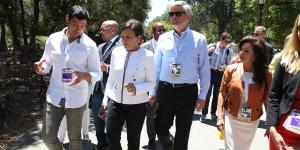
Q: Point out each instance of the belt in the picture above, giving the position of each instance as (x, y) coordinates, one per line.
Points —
(217, 70)
(176, 85)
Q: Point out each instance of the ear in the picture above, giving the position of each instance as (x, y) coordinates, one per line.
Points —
(67, 19)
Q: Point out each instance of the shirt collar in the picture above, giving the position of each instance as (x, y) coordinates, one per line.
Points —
(65, 36)
(183, 34)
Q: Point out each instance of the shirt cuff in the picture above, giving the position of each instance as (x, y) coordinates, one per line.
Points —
(105, 100)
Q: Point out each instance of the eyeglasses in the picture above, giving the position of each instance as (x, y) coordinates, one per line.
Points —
(159, 30)
(177, 14)
(256, 34)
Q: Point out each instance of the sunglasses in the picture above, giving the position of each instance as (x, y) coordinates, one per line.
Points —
(177, 14)
(159, 30)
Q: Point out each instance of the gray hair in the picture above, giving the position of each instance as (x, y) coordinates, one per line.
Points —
(185, 6)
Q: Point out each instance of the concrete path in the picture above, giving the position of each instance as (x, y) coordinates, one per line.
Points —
(202, 137)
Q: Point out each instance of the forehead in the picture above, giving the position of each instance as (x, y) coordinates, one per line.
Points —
(105, 25)
(127, 31)
(77, 21)
(177, 8)
(247, 45)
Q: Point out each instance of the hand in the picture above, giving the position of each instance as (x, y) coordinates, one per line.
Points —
(38, 67)
(103, 67)
(152, 100)
(79, 77)
(278, 140)
(200, 104)
(131, 88)
(102, 112)
(220, 124)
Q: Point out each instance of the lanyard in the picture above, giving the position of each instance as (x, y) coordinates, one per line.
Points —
(178, 49)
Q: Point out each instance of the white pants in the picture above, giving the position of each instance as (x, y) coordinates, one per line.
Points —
(85, 125)
(239, 134)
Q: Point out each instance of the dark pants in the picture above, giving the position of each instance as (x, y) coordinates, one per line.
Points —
(151, 113)
(97, 98)
(179, 102)
(134, 115)
(215, 82)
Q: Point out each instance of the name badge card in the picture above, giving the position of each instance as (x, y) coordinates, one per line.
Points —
(246, 113)
(66, 75)
(292, 122)
(175, 69)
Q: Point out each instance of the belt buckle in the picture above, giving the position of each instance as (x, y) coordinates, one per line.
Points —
(173, 85)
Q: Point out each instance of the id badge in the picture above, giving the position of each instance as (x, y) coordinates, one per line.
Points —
(66, 75)
(175, 69)
(246, 113)
(292, 122)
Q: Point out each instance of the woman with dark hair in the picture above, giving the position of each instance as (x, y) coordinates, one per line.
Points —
(283, 114)
(131, 76)
(244, 89)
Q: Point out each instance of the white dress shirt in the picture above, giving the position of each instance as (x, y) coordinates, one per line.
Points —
(80, 55)
(190, 51)
(140, 70)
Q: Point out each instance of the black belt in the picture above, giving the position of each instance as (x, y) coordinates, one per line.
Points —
(176, 85)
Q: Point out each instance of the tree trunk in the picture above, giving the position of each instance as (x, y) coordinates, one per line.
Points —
(34, 26)
(23, 23)
(3, 45)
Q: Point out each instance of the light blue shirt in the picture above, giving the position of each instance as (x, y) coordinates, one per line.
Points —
(190, 51)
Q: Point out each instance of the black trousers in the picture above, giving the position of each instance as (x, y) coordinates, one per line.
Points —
(215, 82)
(175, 102)
(134, 115)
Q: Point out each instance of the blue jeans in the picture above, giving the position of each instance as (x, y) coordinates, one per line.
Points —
(97, 98)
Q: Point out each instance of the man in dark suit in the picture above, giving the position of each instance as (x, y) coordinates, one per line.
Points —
(260, 33)
(157, 30)
(109, 34)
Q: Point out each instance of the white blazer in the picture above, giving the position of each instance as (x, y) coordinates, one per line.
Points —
(139, 70)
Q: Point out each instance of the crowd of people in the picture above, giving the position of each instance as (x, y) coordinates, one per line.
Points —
(126, 79)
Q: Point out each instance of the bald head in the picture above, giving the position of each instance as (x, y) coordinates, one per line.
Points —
(157, 29)
(108, 30)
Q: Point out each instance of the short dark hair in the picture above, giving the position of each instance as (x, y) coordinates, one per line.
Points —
(78, 12)
(135, 25)
(225, 35)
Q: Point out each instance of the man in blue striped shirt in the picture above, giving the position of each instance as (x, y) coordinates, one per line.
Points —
(182, 61)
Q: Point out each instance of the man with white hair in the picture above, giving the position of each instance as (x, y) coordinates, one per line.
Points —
(181, 59)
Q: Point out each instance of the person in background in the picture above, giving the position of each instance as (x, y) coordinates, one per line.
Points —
(260, 33)
(157, 30)
(244, 90)
(109, 33)
(74, 60)
(277, 57)
(131, 76)
(284, 100)
(220, 57)
(182, 61)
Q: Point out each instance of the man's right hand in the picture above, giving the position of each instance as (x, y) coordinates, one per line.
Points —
(152, 100)
(102, 112)
(38, 67)
(103, 66)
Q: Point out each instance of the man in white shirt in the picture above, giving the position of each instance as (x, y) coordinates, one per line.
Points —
(182, 61)
(74, 60)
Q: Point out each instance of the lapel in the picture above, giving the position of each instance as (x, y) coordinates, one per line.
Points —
(108, 51)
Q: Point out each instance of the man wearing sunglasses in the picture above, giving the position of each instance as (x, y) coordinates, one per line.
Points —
(260, 33)
(157, 30)
(220, 57)
(181, 59)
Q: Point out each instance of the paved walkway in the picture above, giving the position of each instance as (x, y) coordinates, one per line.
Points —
(203, 136)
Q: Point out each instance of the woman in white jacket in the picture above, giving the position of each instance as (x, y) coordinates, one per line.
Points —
(131, 76)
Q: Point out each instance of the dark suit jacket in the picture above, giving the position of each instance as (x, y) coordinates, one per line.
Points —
(283, 89)
(105, 57)
(270, 51)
